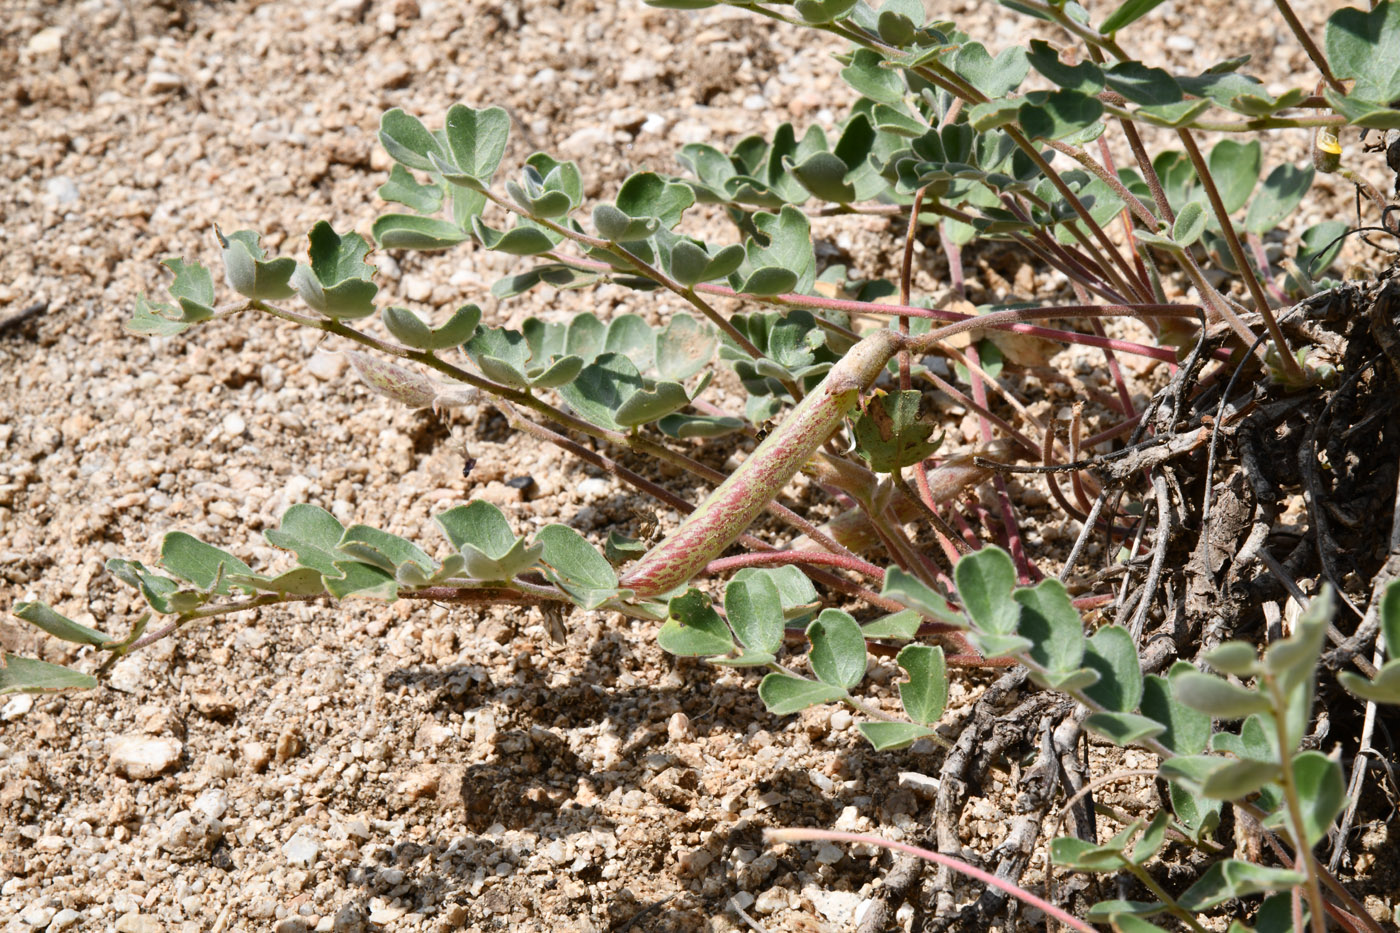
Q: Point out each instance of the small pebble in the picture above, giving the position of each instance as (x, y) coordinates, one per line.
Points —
(770, 901)
(141, 757)
(678, 728)
(64, 919)
(17, 707)
(302, 848)
(135, 922)
(38, 917)
(256, 756)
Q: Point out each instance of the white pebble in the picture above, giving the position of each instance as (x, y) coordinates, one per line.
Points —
(17, 707)
(302, 848)
(140, 756)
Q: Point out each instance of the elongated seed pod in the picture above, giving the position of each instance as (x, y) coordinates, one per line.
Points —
(733, 506)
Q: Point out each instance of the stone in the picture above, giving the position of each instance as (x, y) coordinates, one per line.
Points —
(18, 705)
(190, 833)
(37, 917)
(770, 901)
(678, 728)
(163, 82)
(256, 755)
(64, 919)
(303, 847)
(61, 191)
(921, 785)
(327, 367)
(213, 704)
(135, 922)
(141, 757)
(46, 41)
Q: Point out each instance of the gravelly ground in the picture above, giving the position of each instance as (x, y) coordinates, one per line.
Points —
(370, 767)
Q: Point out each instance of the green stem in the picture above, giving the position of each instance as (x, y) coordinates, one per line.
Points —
(1173, 908)
(1303, 856)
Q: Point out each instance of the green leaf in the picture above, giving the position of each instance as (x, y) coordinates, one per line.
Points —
(1190, 224)
(900, 626)
(362, 580)
(755, 610)
(1151, 840)
(985, 579)
(202, 564)
(1366, 46)
(994, 77)
(1282, 192)
(1200, 815)
(388, 552)
(1150, 87)
(1364, 113)
(409, 231)
(248, 270)
(312, 534)
(60, 626)
(300, 581)
(784, 693)
(838, 649)
(1128, 12)
(576, 566)
(795, 592)
(693, 628)
(866, 75)
(524, 239)
(1112, 653)
(1293, 660)
(27, 675)
(1129, 923)
(686, 426)
(1390, 620)
(601, 388)
(684, 347)
(1219, 698)
(910, 591)
(1232, 878)
(1234, 657)
(1235, 168)
(889, 736)
(477, 139)
(403, 188)
(146, 322)
(1050, 622)
(646, 405)
(1384, 689)
(337, 282)
(1060, 114)
(407, 140)
(1101, 911)
(784, 261)
(925, 695)
(889, 435)
(1321, 791)
(492, 551)
(1186, 730)
(1123, 729)
(818, 12)
(1319, 247)
(1085, 77)
(193, 289)
(824, 175)
(633, 337)
(647, 194)
(1236, 780)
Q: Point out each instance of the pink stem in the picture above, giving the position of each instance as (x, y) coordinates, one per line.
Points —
(801, 558)
(938, 858)
(1008, 516)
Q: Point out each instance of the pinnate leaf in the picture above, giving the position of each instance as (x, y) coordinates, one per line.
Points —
(202, 564)
(407, 140)
(477, 139)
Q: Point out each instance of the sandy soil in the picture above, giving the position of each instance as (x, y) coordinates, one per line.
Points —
(367, 767)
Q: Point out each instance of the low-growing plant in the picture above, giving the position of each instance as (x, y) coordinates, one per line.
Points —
(948, 142)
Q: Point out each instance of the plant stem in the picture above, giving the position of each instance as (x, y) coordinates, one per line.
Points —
(1305, 40)
(794, 558)
(1304, 860)
(825, 835)
(1261, 301)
